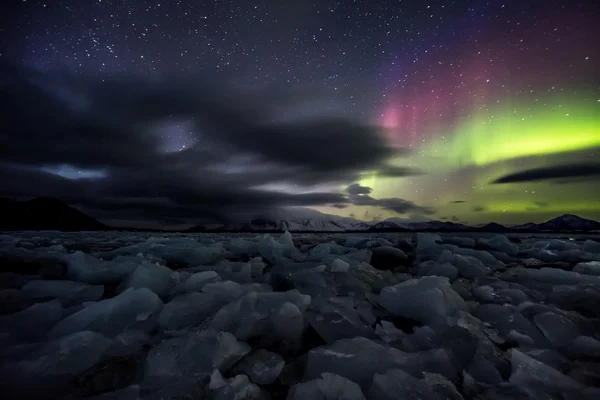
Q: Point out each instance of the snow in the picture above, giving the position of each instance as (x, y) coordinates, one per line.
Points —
(117, 315)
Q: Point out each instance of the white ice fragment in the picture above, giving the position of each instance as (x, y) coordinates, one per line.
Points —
(434, 268)
(155, 277)
(262, 367)
(589, 268)
(236, 388)
(190, 356)
(429, 300)
(328, 387)
(187, 310)
(397, 384)
(34, 322)
(339, 266)
(196, 282)
(585, 346)
(503, 244)
(135, 309)
(532, 375)
(559, 330)
(591, 246)
(67, 292)
(68, 356)
(86, 268)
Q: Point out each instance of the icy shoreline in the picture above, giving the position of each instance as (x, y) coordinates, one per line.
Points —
(128, 315)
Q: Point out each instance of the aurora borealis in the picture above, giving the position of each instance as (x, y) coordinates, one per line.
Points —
(468, 111)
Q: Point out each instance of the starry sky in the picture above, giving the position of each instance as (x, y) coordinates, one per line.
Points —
(170, 113)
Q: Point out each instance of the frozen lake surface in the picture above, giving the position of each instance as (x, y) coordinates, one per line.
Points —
(121, 315)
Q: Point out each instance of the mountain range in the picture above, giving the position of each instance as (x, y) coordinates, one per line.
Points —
(46, 213)
(564, 223)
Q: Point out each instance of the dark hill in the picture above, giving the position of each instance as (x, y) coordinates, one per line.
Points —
(44, 213)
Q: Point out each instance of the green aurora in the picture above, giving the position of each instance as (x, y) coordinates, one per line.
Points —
(460, 169)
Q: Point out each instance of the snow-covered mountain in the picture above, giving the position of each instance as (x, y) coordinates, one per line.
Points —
(569, 222)
(345, 224)
(389, 225)
(299, 225)
(438, 226)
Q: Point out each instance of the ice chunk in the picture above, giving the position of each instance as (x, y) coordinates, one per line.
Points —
(506, 319)
(484, 294)
(236, 388)
(534, 376)
(397, 384)
(503, 244)
(433, 268)
(590, 268)
(56, 362)
(334, 321)
(262, 367)
(272, 250)
(10, 280)
(68, 292)
(188, 310)
(555, 245)
(328, 387)
(460, 241)
(223, 290)
(195, 282)
(585, 346)
(429, 300)
(388, 332)
(135, 309)
(339, 266)
(287, 323)
(129, 393)
(34, 322)
(558, 330)
(428, 245)
(554, 276)
(310, 282)
(276, 316)
(127, 344)
(358, 359)
(70, 355)
(485, 257)
(388, 258)
(155, 277)
(353, 241)
(190, 356)
(177, 251)
(12, 301)
(243, 247)
(86, 268)
(591, 246)
(469, 267)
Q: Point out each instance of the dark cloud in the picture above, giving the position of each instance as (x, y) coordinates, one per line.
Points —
(458, 201)
(478, 209)
(237, 150)
(391, 171)
(454, 218)
(568, 171)
(395, 204)
(340, 205)
(356, 188)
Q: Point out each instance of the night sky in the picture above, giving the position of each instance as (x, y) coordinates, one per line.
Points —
(172, 113)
